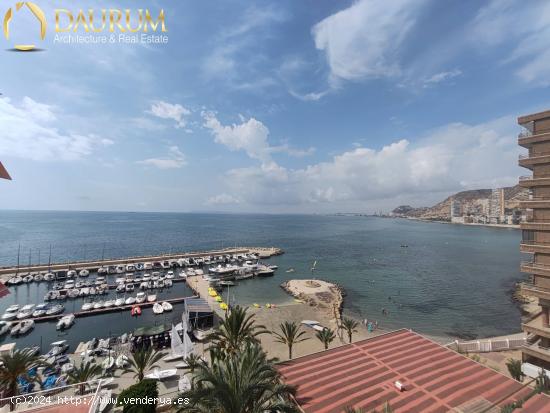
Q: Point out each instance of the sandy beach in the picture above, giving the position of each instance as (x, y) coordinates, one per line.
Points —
(271, 318)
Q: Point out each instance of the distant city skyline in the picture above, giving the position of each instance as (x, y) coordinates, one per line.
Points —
(290, 106)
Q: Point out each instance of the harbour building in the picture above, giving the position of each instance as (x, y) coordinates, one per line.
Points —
(535, 137)
(496, 206)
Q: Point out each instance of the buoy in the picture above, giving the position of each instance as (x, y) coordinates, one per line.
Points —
(256, 305)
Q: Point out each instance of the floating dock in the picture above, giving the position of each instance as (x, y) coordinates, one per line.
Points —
(99, 311)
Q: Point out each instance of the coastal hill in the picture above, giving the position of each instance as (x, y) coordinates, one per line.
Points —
(473, 201)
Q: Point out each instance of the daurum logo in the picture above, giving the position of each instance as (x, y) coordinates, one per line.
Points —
(37, 12)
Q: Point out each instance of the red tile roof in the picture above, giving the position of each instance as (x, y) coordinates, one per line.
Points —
(362, 375)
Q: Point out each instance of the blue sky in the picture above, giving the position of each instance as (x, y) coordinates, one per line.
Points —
(286, 106)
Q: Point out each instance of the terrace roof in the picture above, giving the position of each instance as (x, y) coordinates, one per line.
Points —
(436, 379)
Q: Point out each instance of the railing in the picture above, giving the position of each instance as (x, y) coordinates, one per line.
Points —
(525, 178)
(525, 134)
(535, 265)
(69, 394)
(534, 288)
(533, 155)
(485, 346)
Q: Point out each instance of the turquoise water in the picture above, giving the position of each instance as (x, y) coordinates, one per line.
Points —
(451, 281)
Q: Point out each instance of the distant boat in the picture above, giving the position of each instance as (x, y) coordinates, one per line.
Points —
(314, 265)
(157, 308)
(166, 306)
(290, 270)
(65, 322)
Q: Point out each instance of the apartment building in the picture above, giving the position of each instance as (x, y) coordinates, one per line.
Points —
(535, 137)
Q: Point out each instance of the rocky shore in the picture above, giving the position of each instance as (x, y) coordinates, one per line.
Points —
(323, 295)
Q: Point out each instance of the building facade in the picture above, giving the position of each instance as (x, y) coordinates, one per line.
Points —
(536, 233)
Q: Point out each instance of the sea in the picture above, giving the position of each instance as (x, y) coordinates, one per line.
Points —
(443, 280)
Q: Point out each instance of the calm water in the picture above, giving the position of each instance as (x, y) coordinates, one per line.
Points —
(451, 280)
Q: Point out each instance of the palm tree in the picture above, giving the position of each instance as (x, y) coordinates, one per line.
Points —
(350, 326)
(237, 329)
(192, 361)
(245, 381)
(16, 365)
(514, 368)
(326, 336)
(83, 373)
(143, 360)
(290, 334)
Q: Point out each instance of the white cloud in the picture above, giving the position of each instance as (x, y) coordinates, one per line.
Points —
(308, 97)
(222, 199)
(175, 112)
(174, 160)
(451, 158)
(441, 77)
(32, 130)
(294, 152)
(525, 28)
(250, 136)
(364, 40)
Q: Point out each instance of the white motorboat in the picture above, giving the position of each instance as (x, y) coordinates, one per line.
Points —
(28, 278)
(98, 305)
(69, 285)
(87, 306)
(167, 283)
(40, 310)
(108, 363)
(130, 267)
(102, 270)
(51, 295)
(120, 269)
(109, 303)
(119, 302)
(144, 285)
(146, 276)
(22, 328)
(65, 322)
(264, 271)
(183, 274)
(130, 300)
(49, 276)
(120, 288)
(157, 308)
(55, 309)
(161, 374)
(84, 292)
(121, 361)
(73, 293)
(170, 274)
(84, 273)
(71, 273)
(147, 266)
(141, 297)
(166, 306)
(4, 327)
(151, 298)
(129, 288)
(15, 280)
(99, 281)
(57, 348)
(11, 313)
(25, 312)
(38, 277)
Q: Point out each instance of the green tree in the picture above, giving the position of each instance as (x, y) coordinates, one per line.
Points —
(83, 373)
(543, 383)
(350, 326)
(143, 360)
(326, 336)
(514, 368)
(144, 390)
(243, 382)
(237, 329)
(15, 365)
(290, 334)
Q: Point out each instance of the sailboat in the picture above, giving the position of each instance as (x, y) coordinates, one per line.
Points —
(178, 350)
(313, 266)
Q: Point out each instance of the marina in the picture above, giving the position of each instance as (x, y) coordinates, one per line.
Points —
(74, 292)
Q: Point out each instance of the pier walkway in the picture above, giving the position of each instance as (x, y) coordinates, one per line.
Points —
(7, 272)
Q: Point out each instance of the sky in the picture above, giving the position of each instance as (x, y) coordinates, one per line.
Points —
(288, 106)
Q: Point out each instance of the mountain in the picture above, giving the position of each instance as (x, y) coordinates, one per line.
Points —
(473, 202)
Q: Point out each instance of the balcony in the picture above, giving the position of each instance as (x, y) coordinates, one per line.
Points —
(531, 159)
(535, 326)
(532, 246)
(530, 181)
(537, 351)
(527, 138)
(535, 203)
(532, 290)
(532, 267)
